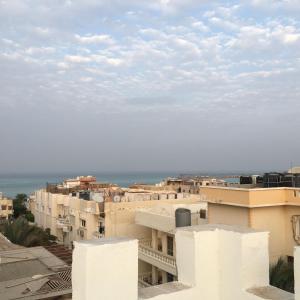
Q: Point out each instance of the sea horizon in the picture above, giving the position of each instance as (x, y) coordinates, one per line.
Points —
(12, 184)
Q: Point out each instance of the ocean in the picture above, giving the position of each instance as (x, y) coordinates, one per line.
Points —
(11, 185)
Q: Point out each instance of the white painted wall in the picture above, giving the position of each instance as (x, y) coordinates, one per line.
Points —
(105, 269)
(214, 262)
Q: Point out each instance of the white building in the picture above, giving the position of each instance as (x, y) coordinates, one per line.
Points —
(213, 262)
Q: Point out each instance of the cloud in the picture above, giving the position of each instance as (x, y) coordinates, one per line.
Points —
(104, 38)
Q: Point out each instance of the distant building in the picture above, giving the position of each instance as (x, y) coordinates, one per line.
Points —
(191, 184)
(74, 214)
(294, 170)
(6, 208)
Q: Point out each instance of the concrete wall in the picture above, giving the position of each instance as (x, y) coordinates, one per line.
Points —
(214, 263)
(274, 220)
(105, 269)
(120, 217)
(229, 215)
(265, 209)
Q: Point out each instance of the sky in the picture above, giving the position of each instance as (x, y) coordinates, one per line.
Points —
(138, 85)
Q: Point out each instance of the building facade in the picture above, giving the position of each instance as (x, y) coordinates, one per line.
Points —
(6, 208)
(276, 210)
(214, 262)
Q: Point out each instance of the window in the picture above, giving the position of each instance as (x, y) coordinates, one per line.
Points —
(202, 214)
(3, 207)
(159, 244)
(170, 277)
(9, 207)
(170, 245)
(83, 223)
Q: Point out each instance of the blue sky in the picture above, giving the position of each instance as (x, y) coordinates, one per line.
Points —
(137, 84)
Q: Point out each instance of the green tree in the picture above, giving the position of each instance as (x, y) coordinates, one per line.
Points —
(19, 205)
(29, 216)
(282, 275)
(20, 232)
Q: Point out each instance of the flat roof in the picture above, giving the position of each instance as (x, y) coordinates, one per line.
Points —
(213, 227)
(162, 289)
(271, 293)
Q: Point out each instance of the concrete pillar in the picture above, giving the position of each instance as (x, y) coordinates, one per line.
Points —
(164, 276)
(164, 243)
(105, 269)
(174, 247)
(154, 239)
(154, 275)
(297, 272)
(222, 260)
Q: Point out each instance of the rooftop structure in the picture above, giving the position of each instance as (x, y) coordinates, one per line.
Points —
(214, 262)
(92, 213)
(33, 273)
(276, 210)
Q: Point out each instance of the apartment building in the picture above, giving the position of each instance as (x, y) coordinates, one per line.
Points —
(6, 207)
(276, 210)
(94, 213)
(191, 184)
(69, 217)
(157, 252)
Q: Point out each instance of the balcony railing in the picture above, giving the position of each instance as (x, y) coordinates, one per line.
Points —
(145, 280)
(63, 222)
(98, 235)
(157, 258)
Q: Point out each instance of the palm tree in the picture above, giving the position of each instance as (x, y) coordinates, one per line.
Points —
(282, 275)
(21, 233)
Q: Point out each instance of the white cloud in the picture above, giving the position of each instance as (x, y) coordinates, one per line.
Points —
(77, 59)
(39, 50)
(94, 39)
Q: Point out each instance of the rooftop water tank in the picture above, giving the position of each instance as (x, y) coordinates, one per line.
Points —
(183, 217)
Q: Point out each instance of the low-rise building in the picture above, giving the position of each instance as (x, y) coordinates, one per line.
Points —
(69, 217)
(276, 210)
(94, 213)
(6, 207)
(33, 273)
(157, 254)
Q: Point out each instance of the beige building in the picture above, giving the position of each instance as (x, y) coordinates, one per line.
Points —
(157, 251)
(276, 210)
(68, 217)
(6, 207)
(84, 215)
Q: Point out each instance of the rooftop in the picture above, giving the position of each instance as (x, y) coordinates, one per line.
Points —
(33, 273)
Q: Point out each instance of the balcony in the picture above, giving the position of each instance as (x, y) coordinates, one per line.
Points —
(144, 280)
(64, 224)
(156, 258)
(98, 235)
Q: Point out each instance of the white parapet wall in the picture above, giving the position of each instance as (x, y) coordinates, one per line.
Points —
(105, 269)
(214, 262)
